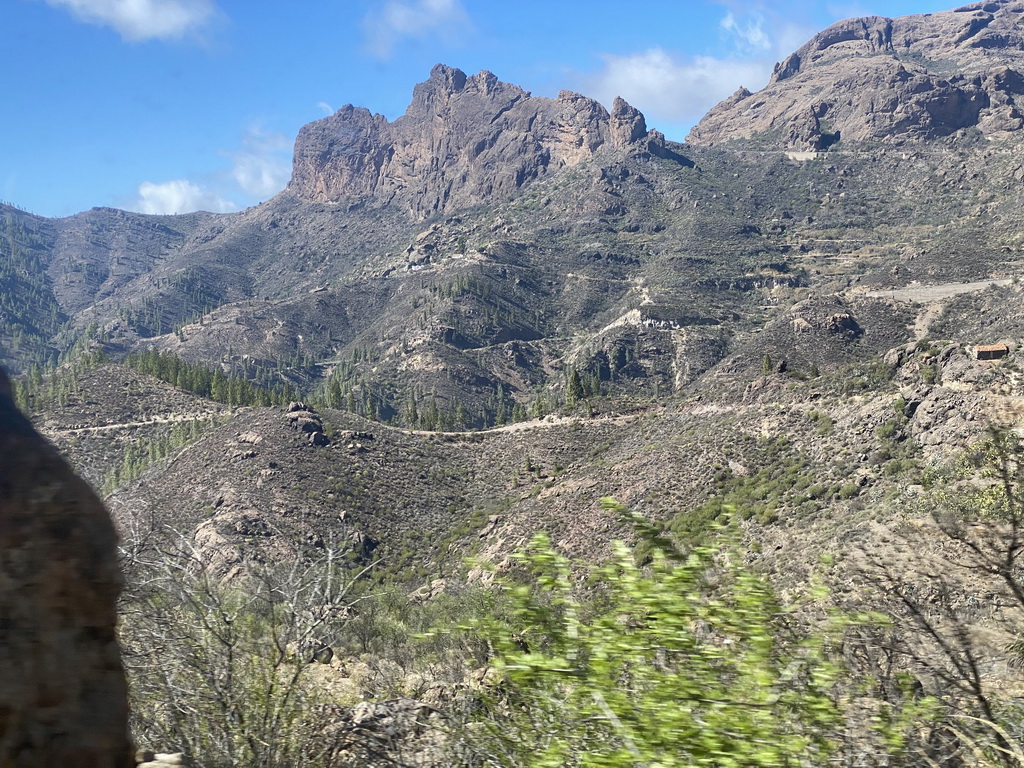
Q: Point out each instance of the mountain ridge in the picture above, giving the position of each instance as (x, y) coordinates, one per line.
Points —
(480, 250)
(875, 78)
(462, 141)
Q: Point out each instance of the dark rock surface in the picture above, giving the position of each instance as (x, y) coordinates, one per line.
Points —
(63, 698)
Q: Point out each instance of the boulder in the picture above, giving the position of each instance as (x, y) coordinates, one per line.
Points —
(319, 439)
(843, 324)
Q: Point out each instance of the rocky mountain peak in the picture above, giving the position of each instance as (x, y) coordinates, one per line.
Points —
(872, 34)
(628, 123)
(433, 97)
(462, 141)
(887, 79)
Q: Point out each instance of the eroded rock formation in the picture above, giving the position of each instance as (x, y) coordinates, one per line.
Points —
(63, 697)
(462, 141)
(880, 79)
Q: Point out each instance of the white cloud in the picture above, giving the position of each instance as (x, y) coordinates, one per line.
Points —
(401, 20)
(666, 87)
(751, 34)
(327, 108)
(768, 29)
(179, 196)
(258, 170)
(263, 166)
(673, 88)
(144, 19)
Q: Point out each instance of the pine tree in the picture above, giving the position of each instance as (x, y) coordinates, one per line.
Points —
(574, 390)
(412, 416)
(461, 418)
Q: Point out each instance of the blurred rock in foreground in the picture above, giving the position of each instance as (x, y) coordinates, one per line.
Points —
(63, 697)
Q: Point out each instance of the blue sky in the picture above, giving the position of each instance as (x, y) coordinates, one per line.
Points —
(167, 106)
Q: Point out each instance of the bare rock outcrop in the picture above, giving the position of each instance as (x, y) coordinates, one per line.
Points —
(306, 419)
(63, 696)
(462, 141)
(892, 80)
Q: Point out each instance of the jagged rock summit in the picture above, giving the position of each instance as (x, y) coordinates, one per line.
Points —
(462, 141)
(892, 80)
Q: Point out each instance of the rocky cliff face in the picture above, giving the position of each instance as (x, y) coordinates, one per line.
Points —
(63, 698)
(869, 79)
(462, 141)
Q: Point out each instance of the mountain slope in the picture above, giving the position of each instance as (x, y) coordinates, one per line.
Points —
(912, 78)
(488, 259)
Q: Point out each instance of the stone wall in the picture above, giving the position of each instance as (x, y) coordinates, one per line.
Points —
(63, 696)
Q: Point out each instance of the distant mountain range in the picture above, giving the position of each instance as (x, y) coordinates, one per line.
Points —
(492, 258)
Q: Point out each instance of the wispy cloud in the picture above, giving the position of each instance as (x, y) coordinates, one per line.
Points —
(325, 107)
(259, 169)
(137, 20)
(263, 166)
(750, 34)
(759, 29)
(673, 88)
(401, 20)
(789, 36)
(676, 88)
(179, 196)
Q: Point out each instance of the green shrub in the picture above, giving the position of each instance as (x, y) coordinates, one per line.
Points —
(849, 491)
(890, 428)
(692, 661)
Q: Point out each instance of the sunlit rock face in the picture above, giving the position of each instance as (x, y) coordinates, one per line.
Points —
(876, 79)
(463, 140)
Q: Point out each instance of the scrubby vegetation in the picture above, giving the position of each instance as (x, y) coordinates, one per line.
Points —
(144, 453)
(689, 661)
(687, 657)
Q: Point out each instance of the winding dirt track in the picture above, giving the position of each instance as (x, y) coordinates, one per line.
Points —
(172, 418)
(932, 296)
(924, 294)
